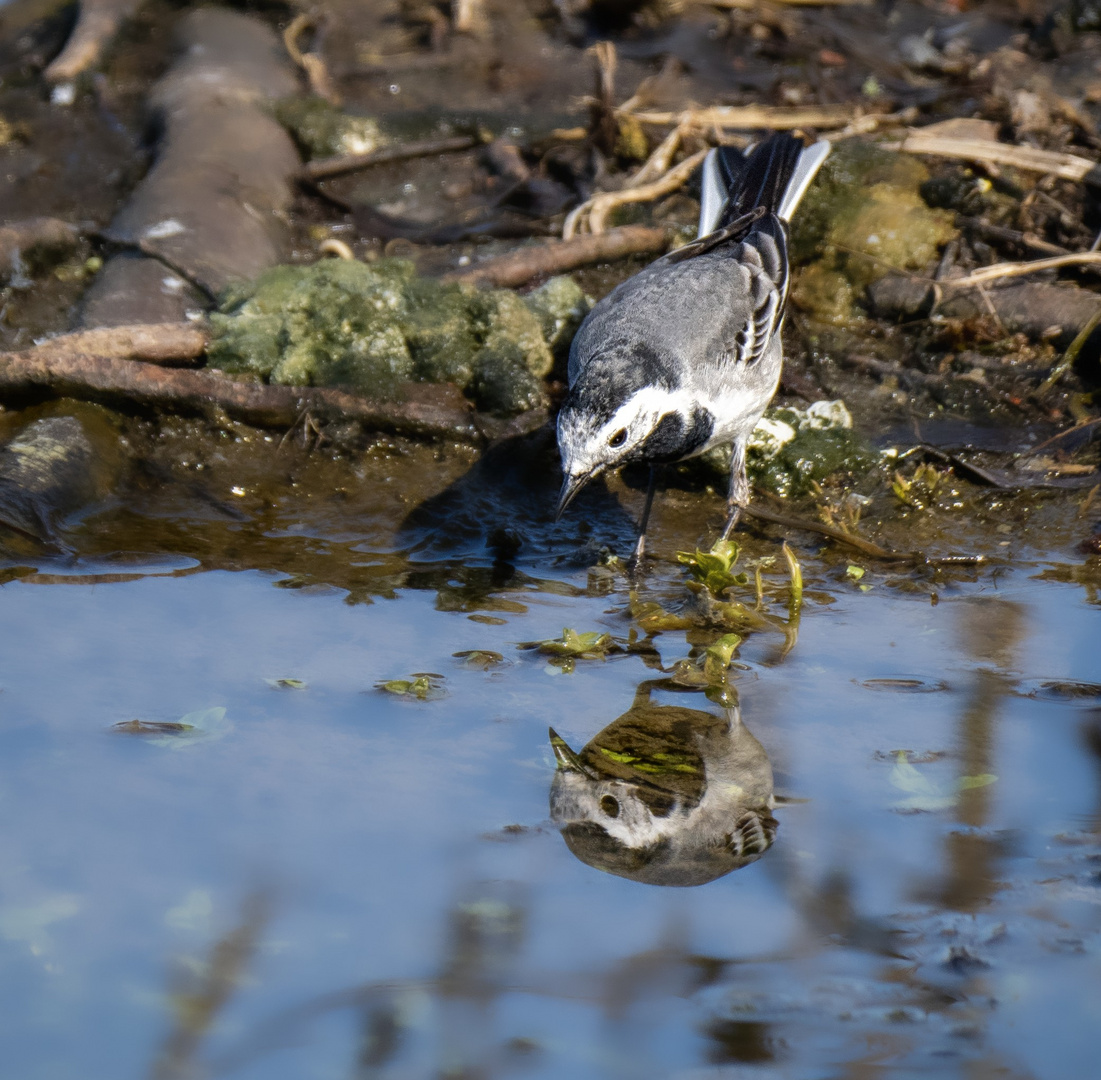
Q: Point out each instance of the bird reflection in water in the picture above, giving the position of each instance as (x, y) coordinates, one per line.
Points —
(665, 795)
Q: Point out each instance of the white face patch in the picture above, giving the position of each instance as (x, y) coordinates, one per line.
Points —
(642, 412)
(588, 450)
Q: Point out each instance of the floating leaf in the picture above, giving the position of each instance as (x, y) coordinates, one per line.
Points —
(652, 618)
(286, 684)
(482, 659)
(855, 572)
(422, 686)
(592, 645)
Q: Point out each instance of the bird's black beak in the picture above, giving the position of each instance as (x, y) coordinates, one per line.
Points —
(566, 758)
(571, 485)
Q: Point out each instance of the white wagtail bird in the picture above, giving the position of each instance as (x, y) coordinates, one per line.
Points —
(665, 795)
(686, 355)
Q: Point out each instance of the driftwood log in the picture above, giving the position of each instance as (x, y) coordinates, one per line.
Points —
(428, 411)
(168, 344)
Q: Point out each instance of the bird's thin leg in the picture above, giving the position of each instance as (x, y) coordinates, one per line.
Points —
(640, 547)
(739, 487)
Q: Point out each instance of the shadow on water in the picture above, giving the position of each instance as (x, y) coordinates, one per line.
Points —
(665, 794)
(505, 505)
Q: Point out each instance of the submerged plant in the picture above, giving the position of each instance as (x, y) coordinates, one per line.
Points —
(572, 646)
(714, 569)
(421, 686)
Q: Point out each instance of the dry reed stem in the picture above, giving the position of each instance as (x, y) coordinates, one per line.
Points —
(1016, 269)
(752, 117)
(1065, 166)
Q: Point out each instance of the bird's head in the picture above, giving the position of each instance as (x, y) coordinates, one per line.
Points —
(613, 415)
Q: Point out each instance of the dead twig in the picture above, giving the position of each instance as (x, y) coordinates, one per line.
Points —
(754, 117)
(429, 411)
(167, 344)
(1016, 269)
(600, 206)
(868, 547)
(324, 168)
(1028, 158)
(313, 64)
(561, 256)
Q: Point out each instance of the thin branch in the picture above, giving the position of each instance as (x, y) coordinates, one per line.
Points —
(430, 411)
(559, 256)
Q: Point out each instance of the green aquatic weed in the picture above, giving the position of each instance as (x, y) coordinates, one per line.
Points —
(421, 686)
(713, 569)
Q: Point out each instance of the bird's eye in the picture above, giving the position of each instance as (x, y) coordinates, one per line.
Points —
(609, 805)
(619, 438)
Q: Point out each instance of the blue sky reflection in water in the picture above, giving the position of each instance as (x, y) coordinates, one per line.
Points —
(396, 923)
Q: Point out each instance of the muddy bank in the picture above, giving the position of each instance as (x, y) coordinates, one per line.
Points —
(910, 211)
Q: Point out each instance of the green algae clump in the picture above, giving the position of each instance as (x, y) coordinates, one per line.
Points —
(791, 450)
(370, 327)
(560, 305)
(862, 218)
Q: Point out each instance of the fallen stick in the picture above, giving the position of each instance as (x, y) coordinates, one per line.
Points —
(868, 547)
(600, 206)
(1065, 166)
(1016, 269)
(96, 26)
(559, 256)
(336, 166)
(752, 117)
(21, 239)
(168, 344)
(132, 382)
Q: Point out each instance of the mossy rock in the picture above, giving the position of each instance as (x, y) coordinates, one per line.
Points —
(369, 327)
(323, 131)
(862, 218)
(560, 305)
(791, 450)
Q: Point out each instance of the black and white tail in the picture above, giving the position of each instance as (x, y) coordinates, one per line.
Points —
(774, 175)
